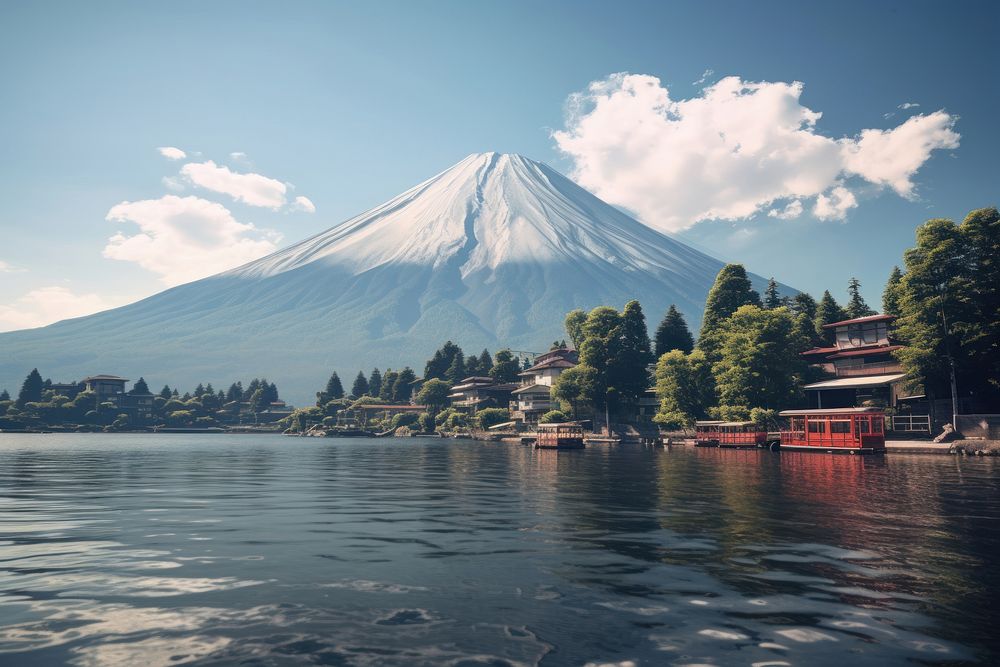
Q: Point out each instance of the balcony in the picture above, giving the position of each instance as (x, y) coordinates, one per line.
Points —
(882, 368)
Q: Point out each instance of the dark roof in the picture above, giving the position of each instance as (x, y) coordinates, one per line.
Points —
(389, 406)
(558, 362)
(860, 320)
(861, 352)
(820, 350)
(533, 388)
(104, 377)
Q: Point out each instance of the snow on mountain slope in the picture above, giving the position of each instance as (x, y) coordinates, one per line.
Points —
(491, 252)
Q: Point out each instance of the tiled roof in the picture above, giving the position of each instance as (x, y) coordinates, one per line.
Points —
(860, 320)
(861, 352)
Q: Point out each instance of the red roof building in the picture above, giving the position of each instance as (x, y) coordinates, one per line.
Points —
(861, 363)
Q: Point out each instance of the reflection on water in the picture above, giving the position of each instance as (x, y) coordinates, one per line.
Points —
(166, 550)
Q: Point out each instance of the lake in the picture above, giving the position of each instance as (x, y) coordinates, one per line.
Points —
(265, 550)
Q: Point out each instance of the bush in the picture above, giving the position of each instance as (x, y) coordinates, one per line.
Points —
(404, 419)
(554, 417)
(426, 422)
(492, 416)
(764, 417)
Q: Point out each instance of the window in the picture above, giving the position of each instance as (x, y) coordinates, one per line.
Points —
(817, 427)
(877, 424)
(840, 426)
(864, 426)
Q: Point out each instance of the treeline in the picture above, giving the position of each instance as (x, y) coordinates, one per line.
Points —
(40, 402)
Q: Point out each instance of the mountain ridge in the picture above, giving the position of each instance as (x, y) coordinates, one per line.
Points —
(490, 252)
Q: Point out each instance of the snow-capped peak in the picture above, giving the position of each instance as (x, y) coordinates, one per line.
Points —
(486, 210)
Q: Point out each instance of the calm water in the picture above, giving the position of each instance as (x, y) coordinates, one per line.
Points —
(261, 550)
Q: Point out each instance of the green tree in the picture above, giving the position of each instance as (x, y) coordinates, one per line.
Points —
(630, 375)
(388, 385)
(759, 364)
(803, 304)
(485, 362)
(434, 394)
(673, 333)
(437, 366)
(234, 393)
(505, 367)
(685, 387)
(257, 404)
(375, 382)
(772, 299)
(573, 386)
(856, 306)
(732, 289)
(979, 330)
(140, 387)
(574, 326)
(402, 388)
(360, 386)
(554, 417)
(932, 304)
(488, 417)
(890, 295)
(600, 349)
(4, 395)
(31, 389)
(456, 371)
(828, 311)
(426, 422)
(334, 389)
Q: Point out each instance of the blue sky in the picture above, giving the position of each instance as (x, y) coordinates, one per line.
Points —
(347, 104)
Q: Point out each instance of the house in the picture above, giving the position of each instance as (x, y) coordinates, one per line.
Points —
(861, 363)
(111, 389)
(478, 392)
(534, 397)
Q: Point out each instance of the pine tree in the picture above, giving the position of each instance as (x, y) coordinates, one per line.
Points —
(456, 371)
(375, 382)
(166, 393)
(772, 299)
(235, 393)
(402, 388)
(485, 362)
(803, 304)
(388, 385)
(890, 296)
(673, 333)
(505, 367)
(731, 290)
(334, 389)
(437, 366)
(856, 306)
(631, 375)
(199, 390)
(4, 395)
(140, 387)
(31, 389)
(980, 331)
(828, 311)
(360, 386)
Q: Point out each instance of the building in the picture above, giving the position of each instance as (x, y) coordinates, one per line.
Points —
(861, 363)
(534, 397)
(475, 393)
(111, 389)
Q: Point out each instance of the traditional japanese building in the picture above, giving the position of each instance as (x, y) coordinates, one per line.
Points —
(478, 392)
(861, 361)
(534, 397)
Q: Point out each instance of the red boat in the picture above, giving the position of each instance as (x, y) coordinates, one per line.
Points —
(737, 435)
(847, 430)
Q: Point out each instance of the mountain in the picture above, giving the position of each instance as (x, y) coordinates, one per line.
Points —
(491, 253)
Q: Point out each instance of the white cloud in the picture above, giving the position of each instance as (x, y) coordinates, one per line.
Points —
(46, 305)
(791, 211)
(836, 205)
(252, 189)
(729, 153)
(303, 204)
(238, 156)
(892, 157)
(908, 105)
(6, 267)
(173, 183)
(704, 77)
(185, 238)
(172, 153)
